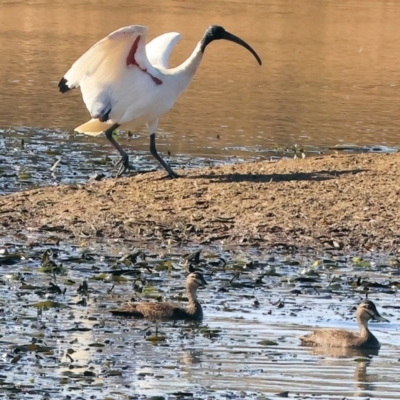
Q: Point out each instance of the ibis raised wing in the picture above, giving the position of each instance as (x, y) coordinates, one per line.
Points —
(159, 49)
(113, 53)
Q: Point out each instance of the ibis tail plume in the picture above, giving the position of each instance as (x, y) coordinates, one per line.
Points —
(125, 81)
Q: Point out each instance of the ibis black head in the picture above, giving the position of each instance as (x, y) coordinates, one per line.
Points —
(216, 32)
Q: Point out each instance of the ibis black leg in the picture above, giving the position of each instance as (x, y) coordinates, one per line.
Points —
(124, 161)
(153, 151)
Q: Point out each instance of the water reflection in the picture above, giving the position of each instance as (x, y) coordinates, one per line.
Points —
(330, 73)
(342, 352)
(363, 381)
(119, 361)
(192, 357)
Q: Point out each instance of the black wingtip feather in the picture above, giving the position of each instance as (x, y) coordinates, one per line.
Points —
(63, 86)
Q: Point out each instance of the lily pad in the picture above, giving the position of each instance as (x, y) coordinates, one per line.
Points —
(48, 304)
(156, 339)
(267, 342)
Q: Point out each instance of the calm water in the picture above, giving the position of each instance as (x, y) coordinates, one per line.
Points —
(330, 74)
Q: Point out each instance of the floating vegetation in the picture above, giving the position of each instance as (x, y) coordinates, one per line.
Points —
(32, 348)
(47, 304)
(296, 151)
(267, 342)
(156, 339)
(210, 333)
(256, 305)
(359, 262)
(51, 157)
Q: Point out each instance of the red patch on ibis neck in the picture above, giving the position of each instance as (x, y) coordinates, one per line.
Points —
(130, 60)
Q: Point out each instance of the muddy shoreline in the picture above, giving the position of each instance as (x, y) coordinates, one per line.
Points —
(346, 202)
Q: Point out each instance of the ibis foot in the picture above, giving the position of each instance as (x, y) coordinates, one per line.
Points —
(123, 165)
(171, 175)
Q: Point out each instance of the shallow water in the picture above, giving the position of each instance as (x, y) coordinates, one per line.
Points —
(329, 78)
(330, 73)
(223, 357)
(32, 157)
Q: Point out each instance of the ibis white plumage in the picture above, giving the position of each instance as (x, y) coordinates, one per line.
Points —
(123, 81)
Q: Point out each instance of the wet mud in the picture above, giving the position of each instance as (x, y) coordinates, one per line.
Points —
(344, 202)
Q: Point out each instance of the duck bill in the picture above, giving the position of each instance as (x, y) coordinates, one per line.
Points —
(235, 39)
(379, 317)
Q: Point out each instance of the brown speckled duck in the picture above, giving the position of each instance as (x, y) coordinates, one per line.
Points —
(169, 311)
(366, 310)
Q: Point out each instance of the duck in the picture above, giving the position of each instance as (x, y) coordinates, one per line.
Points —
(364, 339)
(169, 311)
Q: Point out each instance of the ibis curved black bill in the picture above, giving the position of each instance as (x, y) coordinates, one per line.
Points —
(216, 32)
(235, 39)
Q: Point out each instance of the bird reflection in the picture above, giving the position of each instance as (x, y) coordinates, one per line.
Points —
(192, 357)
(363, 382)
(343, 352)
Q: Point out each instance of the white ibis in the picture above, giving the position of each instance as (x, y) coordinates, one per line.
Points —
(123, 81)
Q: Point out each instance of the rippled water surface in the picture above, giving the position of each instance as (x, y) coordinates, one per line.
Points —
(330, 77)
(330, 73)
(256, 305)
